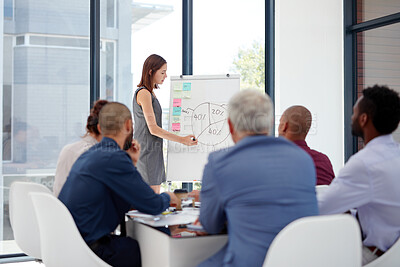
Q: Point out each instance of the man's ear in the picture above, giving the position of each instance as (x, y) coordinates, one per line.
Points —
(231, 128)
(128, 125)
(363, 119)
(285, 127)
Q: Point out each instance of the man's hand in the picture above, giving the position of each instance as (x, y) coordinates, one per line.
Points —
(134, 151)
(195, 194)
(174, 199)
(199, 233)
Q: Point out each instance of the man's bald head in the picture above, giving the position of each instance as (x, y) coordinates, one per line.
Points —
(295, 123)
(112, 118)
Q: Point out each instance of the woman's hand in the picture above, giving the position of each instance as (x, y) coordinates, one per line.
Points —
(189, 140)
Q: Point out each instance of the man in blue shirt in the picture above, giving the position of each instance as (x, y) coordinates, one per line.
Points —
(256, 187)
(104, 184)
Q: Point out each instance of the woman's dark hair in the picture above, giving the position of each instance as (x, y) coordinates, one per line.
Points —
(383, 106)
(154, 63)
(93, 119)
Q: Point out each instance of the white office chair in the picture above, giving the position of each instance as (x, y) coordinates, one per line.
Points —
(23, 217)
(391, 258)
(329, 241)
(321, 188)
(62, 244)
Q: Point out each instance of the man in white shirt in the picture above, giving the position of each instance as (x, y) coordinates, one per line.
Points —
(370, 180)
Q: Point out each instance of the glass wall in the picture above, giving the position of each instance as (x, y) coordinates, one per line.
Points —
(372, 9)
(230, 39)
(378, 50)
(157, 29)
(45, 91)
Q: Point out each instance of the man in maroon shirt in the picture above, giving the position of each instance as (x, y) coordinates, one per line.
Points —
(294, 126)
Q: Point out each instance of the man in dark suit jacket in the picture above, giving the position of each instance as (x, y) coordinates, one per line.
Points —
(256, 187)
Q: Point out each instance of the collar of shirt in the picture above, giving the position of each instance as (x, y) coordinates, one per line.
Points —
(380, 140)
(109, 142)
(301, 143)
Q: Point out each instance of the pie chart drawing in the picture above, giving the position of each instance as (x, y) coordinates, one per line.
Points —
(209, 123)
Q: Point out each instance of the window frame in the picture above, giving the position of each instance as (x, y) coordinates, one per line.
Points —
(351, 28)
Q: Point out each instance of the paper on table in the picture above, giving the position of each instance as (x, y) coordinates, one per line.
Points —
(186, 216)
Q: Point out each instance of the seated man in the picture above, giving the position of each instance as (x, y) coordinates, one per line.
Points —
(294, 126)
(369, 182)
(256, 187)
(104, 184)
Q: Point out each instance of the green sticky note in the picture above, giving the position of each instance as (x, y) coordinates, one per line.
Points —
(178, 94)
(176, 119)
(177, 86)
(176, 111)
(187, 86)
(186, 94)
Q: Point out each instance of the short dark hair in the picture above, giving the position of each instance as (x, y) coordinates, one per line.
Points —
(383, 106)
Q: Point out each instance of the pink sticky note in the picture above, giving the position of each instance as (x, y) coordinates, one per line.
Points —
(176, 127)
(177, 102)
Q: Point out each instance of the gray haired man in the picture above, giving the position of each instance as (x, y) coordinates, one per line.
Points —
(256, 187)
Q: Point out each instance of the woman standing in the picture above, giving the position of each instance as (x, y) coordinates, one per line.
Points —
(148, 130)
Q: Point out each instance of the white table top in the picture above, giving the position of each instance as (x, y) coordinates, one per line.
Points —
(186, 216)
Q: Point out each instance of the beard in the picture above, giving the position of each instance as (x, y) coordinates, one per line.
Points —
(128, 141)
(356, 129)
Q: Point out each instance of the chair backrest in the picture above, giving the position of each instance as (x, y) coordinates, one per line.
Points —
(391, 258)
(23, 217)
(329, 241)
(320, 188)
(61, 243)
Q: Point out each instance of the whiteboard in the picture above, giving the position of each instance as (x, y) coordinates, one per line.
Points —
(198, 106)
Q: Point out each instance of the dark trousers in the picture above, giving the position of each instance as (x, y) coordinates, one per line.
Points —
(118, 251)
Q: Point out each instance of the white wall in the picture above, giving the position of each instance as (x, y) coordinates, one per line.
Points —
(309, 69)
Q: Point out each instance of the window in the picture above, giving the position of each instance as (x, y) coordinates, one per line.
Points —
(107, 69)
(373, 32)
(157, 29)
(378, 59)
(8, 9)
(45, 92)
(232, 37)
(372, 9)
(111, 13)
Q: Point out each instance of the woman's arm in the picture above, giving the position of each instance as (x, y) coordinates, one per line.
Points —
(144, 100)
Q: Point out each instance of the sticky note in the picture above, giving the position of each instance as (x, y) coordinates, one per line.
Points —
(187, 86)
(177, 102)
(187, 94)
(176, 127)
(176, 119)
(177, 86)
(176, 111)
(178, 94)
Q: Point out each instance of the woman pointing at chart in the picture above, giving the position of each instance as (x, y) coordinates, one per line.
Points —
(148, 130)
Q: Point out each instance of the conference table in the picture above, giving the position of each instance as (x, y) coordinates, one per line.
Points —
(181, 249)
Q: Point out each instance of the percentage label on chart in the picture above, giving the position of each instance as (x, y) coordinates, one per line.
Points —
(209, 124)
